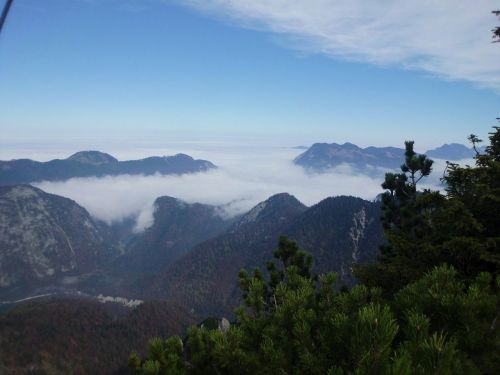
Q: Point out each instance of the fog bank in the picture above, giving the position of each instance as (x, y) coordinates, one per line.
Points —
(244, 178)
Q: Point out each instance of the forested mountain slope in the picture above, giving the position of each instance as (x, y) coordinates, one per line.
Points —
(337, 231)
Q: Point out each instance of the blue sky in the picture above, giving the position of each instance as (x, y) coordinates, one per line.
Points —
(216, 70)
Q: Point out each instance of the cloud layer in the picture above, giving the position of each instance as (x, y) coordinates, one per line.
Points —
(447, 38)
(245, 178)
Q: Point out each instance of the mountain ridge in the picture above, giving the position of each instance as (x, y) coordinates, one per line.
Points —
(321, 157)
(452, 151)
(96, 164)
(338, 232)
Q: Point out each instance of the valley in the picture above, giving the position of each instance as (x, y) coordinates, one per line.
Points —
(55, 256)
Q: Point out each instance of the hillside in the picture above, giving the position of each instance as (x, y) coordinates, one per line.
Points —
(94, 338)
(337, 231)
(206, 279)
(45, 238)
(177, 227)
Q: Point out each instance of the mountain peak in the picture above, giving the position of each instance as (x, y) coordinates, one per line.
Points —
(322, 157)
(92, 157)
(451, 151)
(181, 156)
(283, 198)
(350, 145)
(168, 200)
(278, 206)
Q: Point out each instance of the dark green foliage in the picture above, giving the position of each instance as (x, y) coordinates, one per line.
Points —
(401, 190)
(297, 323)
(426, 229)
(430, 306)
(496, 30)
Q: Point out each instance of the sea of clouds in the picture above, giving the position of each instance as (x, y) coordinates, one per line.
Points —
(245, 176)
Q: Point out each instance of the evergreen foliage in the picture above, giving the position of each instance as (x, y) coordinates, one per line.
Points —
(425, 229)
(299, 324)
(496, 30)
(430, 306)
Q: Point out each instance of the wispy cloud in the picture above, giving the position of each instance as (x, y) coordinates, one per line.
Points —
(447, 38)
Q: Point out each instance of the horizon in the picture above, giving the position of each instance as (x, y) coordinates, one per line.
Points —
(104, 70)
(127, 150)
(249, 186)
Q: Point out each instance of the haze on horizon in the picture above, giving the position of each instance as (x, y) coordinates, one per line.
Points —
(109, 74)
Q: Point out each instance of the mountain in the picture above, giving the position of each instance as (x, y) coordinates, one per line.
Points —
(81, 336)
(452, 151)
(206, 278)
(93, 158)
(337, 231)
(177, 227)
(321, 157)
(95, 164)
(45, 238)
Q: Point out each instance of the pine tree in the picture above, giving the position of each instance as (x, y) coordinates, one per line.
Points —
(431, 306)
(405, 218)
(425, 229)
(298, 323)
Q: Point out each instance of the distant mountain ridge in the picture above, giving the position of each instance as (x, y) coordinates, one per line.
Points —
(96, 164)
(321, 157)
(452, 151)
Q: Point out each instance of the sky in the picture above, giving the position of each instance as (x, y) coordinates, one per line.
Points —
(240, 83)
(86, 74)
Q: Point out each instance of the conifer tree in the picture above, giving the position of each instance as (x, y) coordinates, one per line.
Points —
(431, 306)
(302, 325)
(424, 229)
